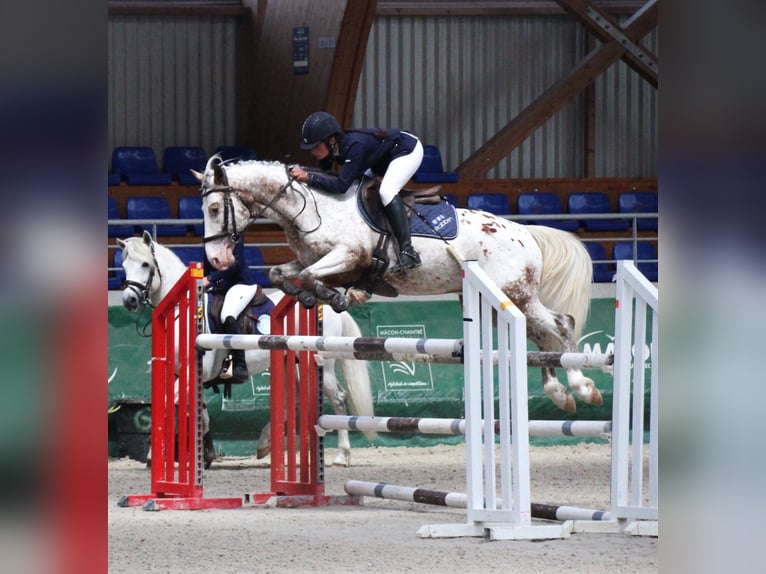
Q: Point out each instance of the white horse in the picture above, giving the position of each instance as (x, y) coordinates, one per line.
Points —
(546, 272)
(151, 270)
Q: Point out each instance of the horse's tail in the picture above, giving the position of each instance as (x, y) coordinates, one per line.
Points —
(357, 377)
(565, 282)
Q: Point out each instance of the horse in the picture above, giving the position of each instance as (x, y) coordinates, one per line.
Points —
(546, 272)
(152, 269)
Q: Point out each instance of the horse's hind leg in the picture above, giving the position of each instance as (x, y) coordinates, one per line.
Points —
(555, 332)
(337, 396)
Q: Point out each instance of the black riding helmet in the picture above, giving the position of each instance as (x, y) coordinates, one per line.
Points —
(318, 127)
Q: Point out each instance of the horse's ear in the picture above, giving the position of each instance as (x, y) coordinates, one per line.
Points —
(147, 237)
(120, 243)
(198, 175)
(219, 175)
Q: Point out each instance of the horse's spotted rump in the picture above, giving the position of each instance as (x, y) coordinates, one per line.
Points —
(489, 228)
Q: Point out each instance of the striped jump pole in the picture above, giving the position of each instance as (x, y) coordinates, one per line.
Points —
(460, 500)
(392, 349)
(540, 428)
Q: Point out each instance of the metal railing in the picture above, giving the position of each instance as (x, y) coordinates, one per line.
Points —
(596, 236)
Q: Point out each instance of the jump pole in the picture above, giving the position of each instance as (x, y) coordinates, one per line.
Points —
(539, 428)
(459, 500)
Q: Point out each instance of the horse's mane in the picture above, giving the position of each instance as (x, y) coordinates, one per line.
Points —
(136, 248)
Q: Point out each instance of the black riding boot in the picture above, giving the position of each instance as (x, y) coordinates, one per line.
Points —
(238, 372)
(400, 223)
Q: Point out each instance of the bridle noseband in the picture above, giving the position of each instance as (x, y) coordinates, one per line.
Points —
(143, 290)
(228, 213)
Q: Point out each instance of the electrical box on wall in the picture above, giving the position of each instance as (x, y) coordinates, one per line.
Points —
(301, 50)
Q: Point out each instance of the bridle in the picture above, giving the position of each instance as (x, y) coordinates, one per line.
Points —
(229, 220)
(143, 290)
(230, 230)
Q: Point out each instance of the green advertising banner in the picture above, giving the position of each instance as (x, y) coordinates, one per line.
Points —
(400, 388)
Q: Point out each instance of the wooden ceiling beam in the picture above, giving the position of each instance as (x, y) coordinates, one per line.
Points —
(557, 96)
(605, 28)
(350, 49)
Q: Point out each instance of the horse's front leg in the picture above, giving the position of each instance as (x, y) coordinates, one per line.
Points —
(337, 262)
(282, 277)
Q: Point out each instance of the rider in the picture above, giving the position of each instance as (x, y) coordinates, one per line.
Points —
(393, 154)
(238, 285)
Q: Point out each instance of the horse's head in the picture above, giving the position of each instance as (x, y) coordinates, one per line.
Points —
(143, 279)
(225, 211)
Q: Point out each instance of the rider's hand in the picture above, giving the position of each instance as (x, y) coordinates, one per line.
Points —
(299, 174)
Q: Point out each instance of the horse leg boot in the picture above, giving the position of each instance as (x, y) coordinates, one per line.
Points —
(400, 224)
(239, 372)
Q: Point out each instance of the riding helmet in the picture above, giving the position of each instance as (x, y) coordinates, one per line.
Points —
(318, 127)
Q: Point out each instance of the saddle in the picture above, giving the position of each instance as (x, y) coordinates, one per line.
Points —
(430, 216)
(248, 322)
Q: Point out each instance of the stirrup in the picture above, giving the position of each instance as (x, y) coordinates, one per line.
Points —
(407, 260)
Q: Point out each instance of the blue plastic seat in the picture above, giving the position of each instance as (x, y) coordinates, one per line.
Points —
(236, 152)
(254, 258)
(645, 257)
(114, 179)
(117, 230)
(431, 169)
(138, 166)
(603, 268)
(190, 207)
(544, 203)
(190, 253)
(496, 203)
(639, 202)
(153, 207)
(116, 277)
(451, 198)
(595, 202)
(179, 160)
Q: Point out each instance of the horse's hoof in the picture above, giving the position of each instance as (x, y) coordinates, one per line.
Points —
(339, 303)
(357, 296)
(307, 299)
(262, 452)
(596, 399)
(560, 397)
(342, 459)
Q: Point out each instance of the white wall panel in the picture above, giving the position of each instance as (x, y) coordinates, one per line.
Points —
(172, 81)
(456, 81)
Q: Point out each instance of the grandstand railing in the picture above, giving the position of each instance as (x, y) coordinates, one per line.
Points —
(596, 236)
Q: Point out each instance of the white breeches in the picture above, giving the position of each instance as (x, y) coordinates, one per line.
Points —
(237, 298)
(399, 172)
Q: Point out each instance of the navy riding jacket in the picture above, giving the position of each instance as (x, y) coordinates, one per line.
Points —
(360, 150)
(237, 273)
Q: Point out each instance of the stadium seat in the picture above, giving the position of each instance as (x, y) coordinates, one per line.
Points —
(639, 202)
(153, 208)
(138, 166)
(451, 198)
(646, 256)
(603, 269)
(116, 277)
(544, 203)
(236, 152)
(254, 258)
(179, 160)
(114, 179)
(431, 169)
(117, 230)
(190, 207)
(496, 203)
(595, 202)
(190, 253)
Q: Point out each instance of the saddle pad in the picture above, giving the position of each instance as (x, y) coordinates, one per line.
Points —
(438, 220)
